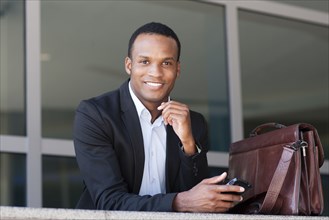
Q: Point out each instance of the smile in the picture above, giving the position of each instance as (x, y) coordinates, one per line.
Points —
(153, 84)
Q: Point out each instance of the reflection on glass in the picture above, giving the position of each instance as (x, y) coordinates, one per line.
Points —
(285, 74)
(84, 45)
(62, 182)
(12, 179)
(12, 111)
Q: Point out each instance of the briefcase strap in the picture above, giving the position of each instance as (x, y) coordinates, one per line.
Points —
(277, 180)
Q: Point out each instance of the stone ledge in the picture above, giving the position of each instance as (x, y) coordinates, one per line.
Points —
(20, 213)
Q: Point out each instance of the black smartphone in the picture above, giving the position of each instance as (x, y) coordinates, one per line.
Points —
(238, 182)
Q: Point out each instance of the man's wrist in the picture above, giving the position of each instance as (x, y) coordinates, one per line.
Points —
(179, 205)
(189, 148)
(196, 149)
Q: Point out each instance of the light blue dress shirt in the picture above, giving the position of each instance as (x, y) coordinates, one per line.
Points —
(154, 137)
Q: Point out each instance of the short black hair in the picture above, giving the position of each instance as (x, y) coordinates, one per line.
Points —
(154, 28)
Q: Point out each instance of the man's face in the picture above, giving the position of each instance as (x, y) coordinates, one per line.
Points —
(153, 68)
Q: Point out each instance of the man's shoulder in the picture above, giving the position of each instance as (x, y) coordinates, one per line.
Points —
(108, 98)
(111, 101)
(103, 99)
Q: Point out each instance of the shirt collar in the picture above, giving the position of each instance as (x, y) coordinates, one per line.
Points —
(139, 105)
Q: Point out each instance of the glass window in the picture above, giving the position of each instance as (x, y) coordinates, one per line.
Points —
(62, 182)
(284, 67)
(84, 45)
(284, 72)
(325, 184)
(12, 108)
(319, 5)
(12, 179)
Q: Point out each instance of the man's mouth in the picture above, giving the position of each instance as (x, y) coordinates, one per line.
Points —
(154, 84)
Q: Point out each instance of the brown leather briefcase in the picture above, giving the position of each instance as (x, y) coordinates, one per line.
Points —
(282, 165)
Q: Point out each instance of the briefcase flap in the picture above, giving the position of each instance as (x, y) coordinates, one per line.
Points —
(281, 136)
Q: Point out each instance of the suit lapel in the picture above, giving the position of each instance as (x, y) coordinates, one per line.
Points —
(172, 158)
(130, 118)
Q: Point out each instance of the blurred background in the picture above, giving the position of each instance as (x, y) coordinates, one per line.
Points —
(244, 63)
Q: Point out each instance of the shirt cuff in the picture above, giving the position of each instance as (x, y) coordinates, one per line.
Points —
(197, 147)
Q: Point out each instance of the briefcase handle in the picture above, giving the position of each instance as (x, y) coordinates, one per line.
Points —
(265, 126)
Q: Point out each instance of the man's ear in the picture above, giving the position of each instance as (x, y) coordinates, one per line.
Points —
(128, 65)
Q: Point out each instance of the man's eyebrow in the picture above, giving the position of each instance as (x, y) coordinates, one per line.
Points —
(141, 56)
(170, 58)
(146, 57)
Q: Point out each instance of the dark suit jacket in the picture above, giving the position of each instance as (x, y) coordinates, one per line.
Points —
(110, 153)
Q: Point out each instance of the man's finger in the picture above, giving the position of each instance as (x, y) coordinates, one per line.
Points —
(216, 179)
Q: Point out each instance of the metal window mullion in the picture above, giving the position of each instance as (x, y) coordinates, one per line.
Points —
(234, 72)
(33, 104)
(13, 144)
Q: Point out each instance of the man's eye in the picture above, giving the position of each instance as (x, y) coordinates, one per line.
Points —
(144, 62)
(166, 63)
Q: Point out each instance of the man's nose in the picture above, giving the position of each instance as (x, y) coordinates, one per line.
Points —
(155, 69)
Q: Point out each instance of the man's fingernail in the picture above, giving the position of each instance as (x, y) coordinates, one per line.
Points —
(241, 189)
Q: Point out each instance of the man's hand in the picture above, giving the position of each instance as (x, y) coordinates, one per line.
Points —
(208, 196)
(178, 116)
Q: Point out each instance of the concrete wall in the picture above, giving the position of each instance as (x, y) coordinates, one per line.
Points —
(20, 213)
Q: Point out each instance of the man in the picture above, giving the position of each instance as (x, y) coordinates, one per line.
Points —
(139, 150)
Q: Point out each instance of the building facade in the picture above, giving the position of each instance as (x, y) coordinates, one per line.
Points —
(244, 63)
